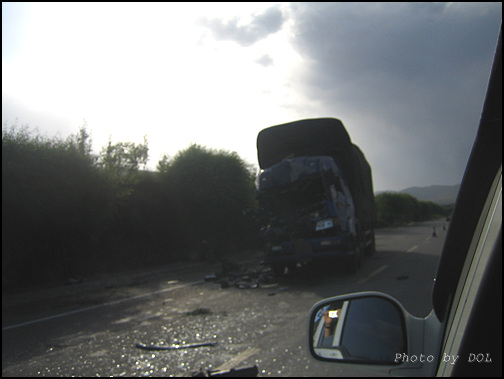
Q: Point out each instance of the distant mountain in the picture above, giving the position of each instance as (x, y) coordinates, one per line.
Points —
(443, 195)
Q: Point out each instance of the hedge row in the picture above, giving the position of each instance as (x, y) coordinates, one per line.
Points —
(67, 214)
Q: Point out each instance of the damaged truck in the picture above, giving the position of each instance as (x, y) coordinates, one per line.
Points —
(315, 193)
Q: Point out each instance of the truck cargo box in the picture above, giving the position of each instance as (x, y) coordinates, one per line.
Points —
(322, 136)
(362, 188)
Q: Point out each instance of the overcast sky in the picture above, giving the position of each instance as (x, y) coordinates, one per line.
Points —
(408, 80)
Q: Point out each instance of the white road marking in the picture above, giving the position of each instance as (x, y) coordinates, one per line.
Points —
(98, 306)
(411, 249)
(364, 280)
(233, 362)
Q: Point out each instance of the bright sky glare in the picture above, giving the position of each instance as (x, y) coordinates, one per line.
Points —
(407, 79)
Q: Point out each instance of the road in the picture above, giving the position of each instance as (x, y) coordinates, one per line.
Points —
(94, 332)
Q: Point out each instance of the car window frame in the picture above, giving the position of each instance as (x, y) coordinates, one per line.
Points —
(478, 264)
(480, 172)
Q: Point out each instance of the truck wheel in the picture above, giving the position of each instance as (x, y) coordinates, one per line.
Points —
(370, 250)
(353, 264)
(355, 259)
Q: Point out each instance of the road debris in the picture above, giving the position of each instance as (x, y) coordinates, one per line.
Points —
(241, 277)
(174, 347)
(250, 371)
(199, 311)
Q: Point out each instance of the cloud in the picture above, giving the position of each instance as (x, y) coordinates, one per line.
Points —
(410, 78)
(260, 27)
(265, 60)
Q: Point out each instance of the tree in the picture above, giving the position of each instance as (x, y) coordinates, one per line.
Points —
(164, 164)
(83, 140)
(215, 197)
(124, 158)
(401, 208)
(55, 201)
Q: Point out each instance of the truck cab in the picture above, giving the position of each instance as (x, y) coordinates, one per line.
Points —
(308, 213)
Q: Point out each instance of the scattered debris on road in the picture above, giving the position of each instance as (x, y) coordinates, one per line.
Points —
(243, 277)
(174, 347)
(199, 311)
(250, 371)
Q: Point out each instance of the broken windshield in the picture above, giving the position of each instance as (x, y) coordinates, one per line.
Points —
(295, 197)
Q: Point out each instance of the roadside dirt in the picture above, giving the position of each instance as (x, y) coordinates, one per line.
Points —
(39, 303)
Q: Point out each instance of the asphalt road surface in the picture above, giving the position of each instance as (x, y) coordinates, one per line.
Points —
(92, 329)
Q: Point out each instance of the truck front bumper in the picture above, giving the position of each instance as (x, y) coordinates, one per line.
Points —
(304, 251)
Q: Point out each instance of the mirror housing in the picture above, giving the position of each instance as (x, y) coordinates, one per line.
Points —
(372, 331)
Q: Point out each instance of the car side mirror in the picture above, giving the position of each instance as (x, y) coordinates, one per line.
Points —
(367, 329)
(372, 331)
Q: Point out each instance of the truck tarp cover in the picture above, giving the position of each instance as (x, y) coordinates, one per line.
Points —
(323, 136)
(316, 137)
(295, 170)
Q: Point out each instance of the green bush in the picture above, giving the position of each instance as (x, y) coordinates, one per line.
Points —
(54, 201)
(214, 196)
(67, 213)
(401, 208)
